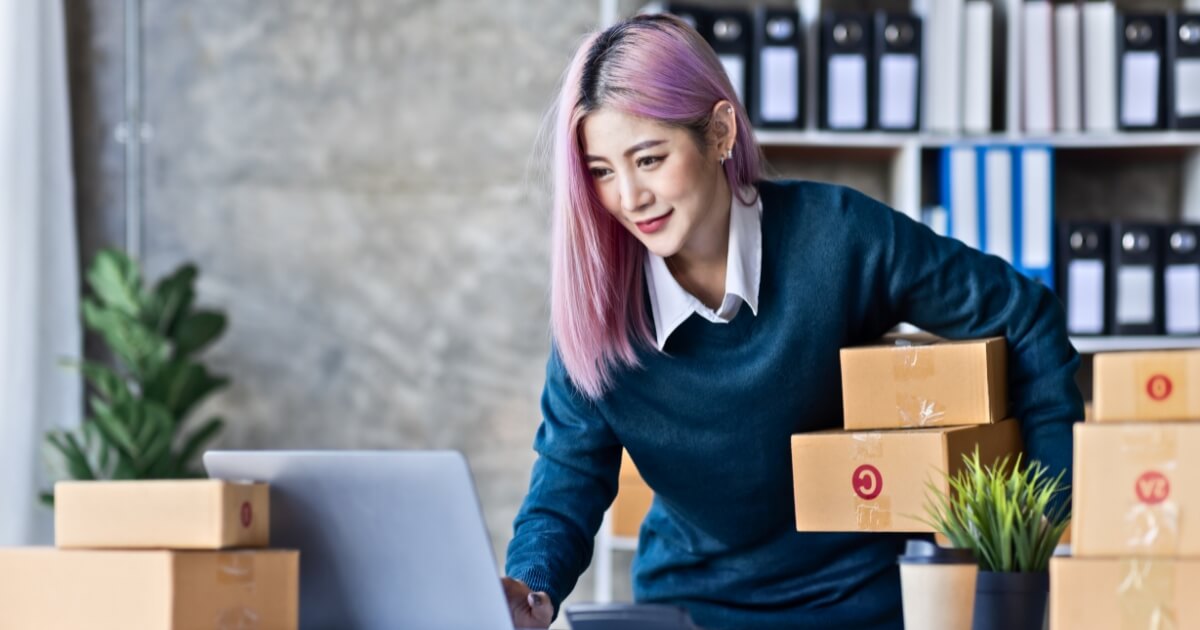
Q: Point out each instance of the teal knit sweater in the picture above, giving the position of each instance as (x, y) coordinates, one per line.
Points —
(708, 422)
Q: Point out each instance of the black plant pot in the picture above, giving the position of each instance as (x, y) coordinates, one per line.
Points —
(1011, 601)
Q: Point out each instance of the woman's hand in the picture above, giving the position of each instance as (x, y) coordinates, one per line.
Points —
(529, 609)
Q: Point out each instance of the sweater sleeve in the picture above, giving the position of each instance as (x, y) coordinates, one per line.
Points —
(573, 482)
(941, 285)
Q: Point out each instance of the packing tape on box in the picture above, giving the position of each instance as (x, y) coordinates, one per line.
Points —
(238, 618)
(1152, 520)
(1146, 595)
(873, 515)
(918, 412)
(235, 568)
(911, 361)
(867, 445)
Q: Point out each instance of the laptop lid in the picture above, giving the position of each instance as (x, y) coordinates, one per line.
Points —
(387, 539)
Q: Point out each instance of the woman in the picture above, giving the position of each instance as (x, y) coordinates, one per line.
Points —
(697, 312)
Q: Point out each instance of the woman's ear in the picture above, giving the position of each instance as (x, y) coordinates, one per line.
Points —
(723, 128)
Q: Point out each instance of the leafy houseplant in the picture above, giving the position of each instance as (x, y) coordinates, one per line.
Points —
(138, 407)
(1011, 517)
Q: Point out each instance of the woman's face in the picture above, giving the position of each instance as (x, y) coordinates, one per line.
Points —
(667, 191)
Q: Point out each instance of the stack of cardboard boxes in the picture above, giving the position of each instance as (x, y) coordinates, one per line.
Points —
(153, 555)
(1136, 499)
(913, 406)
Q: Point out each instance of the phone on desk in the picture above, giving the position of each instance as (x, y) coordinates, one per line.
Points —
(624, 616)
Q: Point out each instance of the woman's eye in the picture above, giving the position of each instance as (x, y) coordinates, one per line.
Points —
(599, 172)
(649, 160)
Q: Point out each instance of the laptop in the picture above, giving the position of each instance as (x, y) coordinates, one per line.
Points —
(387, 539)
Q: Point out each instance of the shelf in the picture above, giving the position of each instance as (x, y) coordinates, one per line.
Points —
(1089, 345)
(833, 140)
(896, 141)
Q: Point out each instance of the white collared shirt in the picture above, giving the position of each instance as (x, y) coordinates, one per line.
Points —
(672, 304)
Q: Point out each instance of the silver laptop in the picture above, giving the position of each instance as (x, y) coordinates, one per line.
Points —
(387, 539)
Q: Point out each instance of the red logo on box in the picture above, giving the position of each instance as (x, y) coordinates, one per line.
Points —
(867, 481)
(247, 514)
(1152, 487)
(1159, 387)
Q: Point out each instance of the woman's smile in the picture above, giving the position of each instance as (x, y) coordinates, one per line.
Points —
(653, 225)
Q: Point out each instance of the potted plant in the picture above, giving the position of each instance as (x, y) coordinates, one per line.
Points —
(139, 404)
(1012, 517)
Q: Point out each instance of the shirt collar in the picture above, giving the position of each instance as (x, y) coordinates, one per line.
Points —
(672, 304)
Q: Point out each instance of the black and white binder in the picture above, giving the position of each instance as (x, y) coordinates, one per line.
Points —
(1183, 71)
(1136, 279)
(1181, 280)
(1083, 275)
(896, 71)
(729, 34)
(844, 71)
(777, 83)
(1141, 48)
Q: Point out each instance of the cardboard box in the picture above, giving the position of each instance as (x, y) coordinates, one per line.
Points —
(876, 480)
(916, 381)
(633, 500)
(55, 589)
(1136, 490)
(1120, 594)
(176, 514)
(1140, 386)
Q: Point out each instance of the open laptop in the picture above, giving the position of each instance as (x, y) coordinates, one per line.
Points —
(387, 539)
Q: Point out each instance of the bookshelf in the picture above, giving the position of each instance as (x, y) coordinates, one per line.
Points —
(905, 156)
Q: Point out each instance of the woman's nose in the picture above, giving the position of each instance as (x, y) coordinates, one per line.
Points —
(633, 195)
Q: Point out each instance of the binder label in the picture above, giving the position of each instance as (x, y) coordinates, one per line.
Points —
(1085, 297)
(847, 92)
(1187, 87)
(735, 68)
(1139, 90)
(780, 92)
(1135, 294)
(897, 91)
(1182, 295)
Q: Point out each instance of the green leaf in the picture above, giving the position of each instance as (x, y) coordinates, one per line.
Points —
(198, 330)
(170, 299)
(114, 427)
(115, 280)
(1005, 512)
(180, 385)
(197, 440)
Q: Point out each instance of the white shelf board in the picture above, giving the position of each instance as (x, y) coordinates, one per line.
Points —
(896, 141)
(832, 139)
(1089, 345)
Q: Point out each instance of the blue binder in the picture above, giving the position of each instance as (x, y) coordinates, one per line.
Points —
(1033, 212)
(997, 224)
(960, 177)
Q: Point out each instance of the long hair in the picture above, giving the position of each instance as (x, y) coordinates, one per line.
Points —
(654, 67)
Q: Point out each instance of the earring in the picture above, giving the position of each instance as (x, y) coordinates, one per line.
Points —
(728, 156)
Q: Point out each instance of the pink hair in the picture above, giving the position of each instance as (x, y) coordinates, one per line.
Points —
(654, 67)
